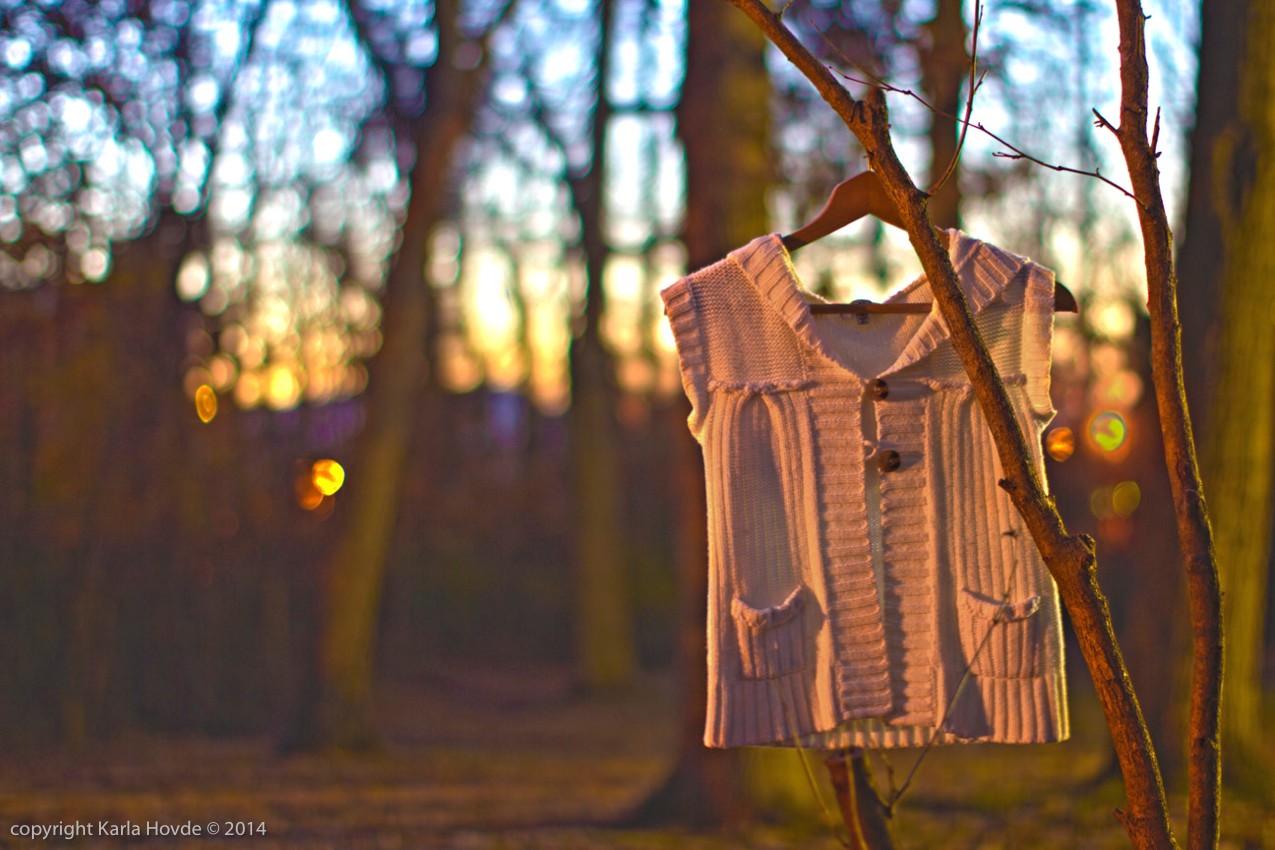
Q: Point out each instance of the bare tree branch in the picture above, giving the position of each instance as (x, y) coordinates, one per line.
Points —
(1014, 151)
(976, 81)
(1195, 537)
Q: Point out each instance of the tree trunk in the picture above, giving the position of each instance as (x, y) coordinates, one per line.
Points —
(116, 397)
(336, 708)
(606, 652)
(1228, 266)
(944, 66)
(724, 124)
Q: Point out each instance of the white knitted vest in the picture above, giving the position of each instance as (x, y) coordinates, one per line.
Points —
(862, 559)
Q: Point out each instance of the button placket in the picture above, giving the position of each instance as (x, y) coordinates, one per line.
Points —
(887, 460)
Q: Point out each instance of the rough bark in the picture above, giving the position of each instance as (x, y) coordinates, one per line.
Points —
(1195, 536)
(1228, 274)
(337, 709)
(1070, 558)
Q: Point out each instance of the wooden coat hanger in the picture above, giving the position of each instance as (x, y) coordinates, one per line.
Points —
(850, 201)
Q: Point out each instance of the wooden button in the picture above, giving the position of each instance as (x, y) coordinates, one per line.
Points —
(888, 460)
(880, 389)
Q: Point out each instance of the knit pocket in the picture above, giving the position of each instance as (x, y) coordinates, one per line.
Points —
(1003, 639)
(771, 640)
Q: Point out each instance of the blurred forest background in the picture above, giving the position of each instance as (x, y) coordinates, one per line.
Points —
(332, 360)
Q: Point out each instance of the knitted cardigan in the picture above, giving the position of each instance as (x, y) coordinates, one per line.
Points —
(862, 558)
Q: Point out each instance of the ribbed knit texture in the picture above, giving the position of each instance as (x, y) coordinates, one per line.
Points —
(848, 595)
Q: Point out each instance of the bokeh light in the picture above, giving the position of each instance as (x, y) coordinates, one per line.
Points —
(248, 390)
(223, 370)
(308, 495)
(1107, 430)
(1060, 443)
(195, 377)
(1125, 498)
(1112, 319)
(95, 264)
(328, 476)
(1121, 389)
(1100, 502)
(194, 277)
(205, 403)
(283, 388)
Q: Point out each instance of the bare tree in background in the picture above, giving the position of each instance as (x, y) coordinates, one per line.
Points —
(723, 121)
(606, 655)
(335, 709)
(945, 66)
(1228, 272)
(103, 373)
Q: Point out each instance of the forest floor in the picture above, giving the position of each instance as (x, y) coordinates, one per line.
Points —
(512, 760)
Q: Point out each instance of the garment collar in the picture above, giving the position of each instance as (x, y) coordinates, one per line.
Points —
(983, 271)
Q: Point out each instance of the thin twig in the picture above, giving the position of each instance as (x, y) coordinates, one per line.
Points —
(897, 793)
(879, 82)
(1014, 151)
(795, 737)
(889, 772)
(1018, 153)
(974, 84)
(1103, 122)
